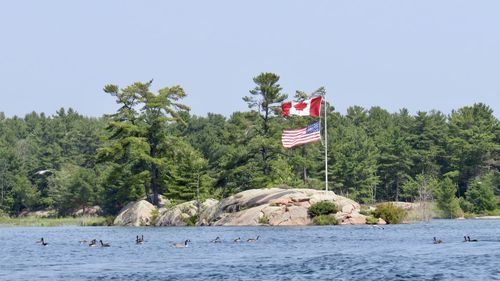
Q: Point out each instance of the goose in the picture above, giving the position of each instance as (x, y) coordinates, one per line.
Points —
(253, 239)
(182, 245)
(139, 240)
(40, 241)
(43, 242)
(465, 239)
(93, 243)
(437, 241)
(471, 240)
(84, 241)
(104, 244)
(216, 240)
(237, 240)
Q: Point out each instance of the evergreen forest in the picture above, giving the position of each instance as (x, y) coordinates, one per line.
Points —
(152, 146)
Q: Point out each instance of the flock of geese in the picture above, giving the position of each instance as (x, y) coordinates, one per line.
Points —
(466, 239)
(185, 244)
(140, 240)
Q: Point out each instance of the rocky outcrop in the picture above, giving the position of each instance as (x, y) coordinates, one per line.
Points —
(89, 212)
(274, 206)
(135, 214)
(39, 214)
(277, 206)
(183, 214)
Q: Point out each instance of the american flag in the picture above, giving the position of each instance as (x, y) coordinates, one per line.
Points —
(291, 138)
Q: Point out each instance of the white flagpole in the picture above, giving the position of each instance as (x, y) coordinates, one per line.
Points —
(326, 146)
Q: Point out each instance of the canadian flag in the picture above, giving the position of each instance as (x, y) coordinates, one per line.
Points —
(310, 107)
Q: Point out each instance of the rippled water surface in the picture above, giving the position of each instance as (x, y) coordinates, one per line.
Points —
(397, 252)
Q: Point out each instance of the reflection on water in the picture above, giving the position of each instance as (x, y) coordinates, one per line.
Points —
(397, 252)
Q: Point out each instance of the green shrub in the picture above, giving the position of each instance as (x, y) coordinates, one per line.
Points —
(155, 213)
(465, 205)
(263, 220)
(325, 220)
(480, 194)
(322, 208)
(390, 213)
(191, 221)
(446, 200)
(365, 210)
(371, 220)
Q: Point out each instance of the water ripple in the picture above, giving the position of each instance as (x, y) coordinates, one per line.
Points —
(399, 252)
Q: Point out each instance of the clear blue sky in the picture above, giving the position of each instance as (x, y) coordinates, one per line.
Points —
(421, 54)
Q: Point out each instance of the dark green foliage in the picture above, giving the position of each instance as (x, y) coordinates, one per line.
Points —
(138, 132)
(24, 194)
(151, 145)
(186, 177)
(446, 199)
(472, 143)
(325, 220)
(322, 208)
(420, 188)
(264, 142)
(73, 188)
(390, 213)
(480, 195)
(354, 166)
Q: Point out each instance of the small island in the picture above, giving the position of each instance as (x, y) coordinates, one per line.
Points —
(153, 163)
(273, 207)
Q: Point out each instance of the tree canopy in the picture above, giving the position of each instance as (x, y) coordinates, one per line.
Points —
(153, 146)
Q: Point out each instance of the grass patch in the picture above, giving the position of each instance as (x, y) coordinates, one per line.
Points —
(365, 210)
(424, 211)
(371, 220)
(495, 212)
(325, 220)
(97, 221)
(36, 221)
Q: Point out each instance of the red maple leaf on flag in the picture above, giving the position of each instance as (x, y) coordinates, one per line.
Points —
(300, 106)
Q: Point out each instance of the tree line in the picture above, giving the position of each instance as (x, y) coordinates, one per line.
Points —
(153, 146)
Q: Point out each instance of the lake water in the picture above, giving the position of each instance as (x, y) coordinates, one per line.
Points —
(397, 252)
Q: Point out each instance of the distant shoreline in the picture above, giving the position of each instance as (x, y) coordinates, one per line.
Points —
(50, 222)
(104, 221)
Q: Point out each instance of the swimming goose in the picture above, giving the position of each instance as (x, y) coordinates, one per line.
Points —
(253, 239)
(436, 241)
(43, 242)
(93, 243)
(216, 240)
(237, 239)
(139, 240)
(104, 244)
(181, 245)
(40, 241)
(84, 241)
(469, 240)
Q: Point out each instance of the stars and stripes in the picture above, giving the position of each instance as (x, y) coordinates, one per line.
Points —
(291, 138)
